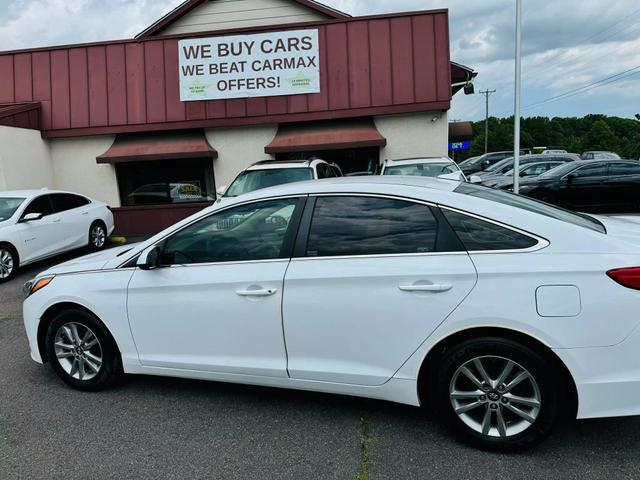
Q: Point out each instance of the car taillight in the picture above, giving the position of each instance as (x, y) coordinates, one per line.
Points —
(627, 277)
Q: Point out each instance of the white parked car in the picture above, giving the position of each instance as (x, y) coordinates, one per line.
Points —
(503, 312)
(422, 167)
(36, 224)
(270, 173)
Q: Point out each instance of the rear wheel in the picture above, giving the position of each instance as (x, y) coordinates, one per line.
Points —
(81, 350)
(8, 263)
(497, 394)
(97, 236)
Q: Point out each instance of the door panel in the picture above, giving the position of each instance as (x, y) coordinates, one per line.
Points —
(192, 317)
(356, 320)
(40, 238)
(74, 219)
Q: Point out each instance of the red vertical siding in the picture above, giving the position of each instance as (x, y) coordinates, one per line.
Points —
(425, 59)
(78, 87)
(42, 85)
(338, 57)
(175, 108)
(6, 79)
(98, 103)
(116, 85)
(154, 74)
(136, 94)
(23, 78)
(359, 67)
(402, 55)
(60, 108)
(381, 74)
(368, 66)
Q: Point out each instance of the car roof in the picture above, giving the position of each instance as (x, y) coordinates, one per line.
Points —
(268, 164)
(29, 193)
(419, 160)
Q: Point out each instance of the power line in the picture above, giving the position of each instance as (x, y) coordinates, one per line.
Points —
(546, 100)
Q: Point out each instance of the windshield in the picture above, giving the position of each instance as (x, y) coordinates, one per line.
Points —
(559, 171)
(8, 206)
(531, 205)
(251, 180)
(496, 167)
(422, 169)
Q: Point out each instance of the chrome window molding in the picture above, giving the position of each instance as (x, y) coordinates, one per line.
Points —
(541, 241)
(223, 209)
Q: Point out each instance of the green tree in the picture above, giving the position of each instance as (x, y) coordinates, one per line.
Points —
(600, 137)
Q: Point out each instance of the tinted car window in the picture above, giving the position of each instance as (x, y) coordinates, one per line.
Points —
(370, 226)
(40, 205)
(479, 235)
(624, 169)
(67, 201)
(530, 205)
(248, 232)
(598, 170)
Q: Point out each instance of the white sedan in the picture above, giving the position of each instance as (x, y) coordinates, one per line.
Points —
(502, 312)
(436, 167)
(36, 224)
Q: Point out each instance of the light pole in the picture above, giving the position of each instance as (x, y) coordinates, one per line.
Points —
(486, 94)
(516, 109)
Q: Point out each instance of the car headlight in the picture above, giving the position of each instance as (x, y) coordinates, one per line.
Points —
(32, 286)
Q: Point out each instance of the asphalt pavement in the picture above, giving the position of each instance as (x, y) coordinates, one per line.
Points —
(162, 428)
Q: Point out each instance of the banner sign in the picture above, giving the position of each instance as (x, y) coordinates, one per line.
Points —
(241, 66)
(465, 145)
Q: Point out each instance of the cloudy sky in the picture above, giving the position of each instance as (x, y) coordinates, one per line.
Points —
(568, 45)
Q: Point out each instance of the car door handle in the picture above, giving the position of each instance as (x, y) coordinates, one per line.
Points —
(265, 292)
(434, 287)
(85, 213)
(57, 220)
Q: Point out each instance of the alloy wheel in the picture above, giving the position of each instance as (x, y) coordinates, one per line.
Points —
(6, 263)
(495, 396)
(78, 351)
(98, 236)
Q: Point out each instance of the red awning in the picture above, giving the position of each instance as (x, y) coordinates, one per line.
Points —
(138, 147)
(329, 135)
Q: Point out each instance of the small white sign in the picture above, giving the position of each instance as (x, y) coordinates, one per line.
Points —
(241, 66)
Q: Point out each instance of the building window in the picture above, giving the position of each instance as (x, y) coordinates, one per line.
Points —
(164, 182)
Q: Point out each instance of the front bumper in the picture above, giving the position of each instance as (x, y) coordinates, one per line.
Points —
(607, 378)
(31, 323)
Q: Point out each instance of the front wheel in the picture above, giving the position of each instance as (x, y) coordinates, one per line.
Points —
(81, 350)
(97, 236)
(8, 263)
(497, 394)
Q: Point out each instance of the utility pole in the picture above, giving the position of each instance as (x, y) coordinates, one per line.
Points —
(486, 94)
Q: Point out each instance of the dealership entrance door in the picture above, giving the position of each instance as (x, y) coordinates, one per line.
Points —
(350, 160)
(353, 144)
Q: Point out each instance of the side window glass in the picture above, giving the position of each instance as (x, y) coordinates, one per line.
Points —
(599, 170)
(66, 201)
(249, 232)
(624, 169)
(344, 225)
(479, 235)
(40, 205)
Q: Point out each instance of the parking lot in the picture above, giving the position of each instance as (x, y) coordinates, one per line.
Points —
(148, 427)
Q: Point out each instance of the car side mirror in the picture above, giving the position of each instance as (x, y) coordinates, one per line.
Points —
(524, 174)
(475, 179)
(220, 191)
(149, 259)
(31, 217)
(570, 177)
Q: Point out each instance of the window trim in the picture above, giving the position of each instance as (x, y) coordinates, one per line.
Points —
(31, 201)
(574, 171)
(541, 241)
(289, 240)
(300, 249)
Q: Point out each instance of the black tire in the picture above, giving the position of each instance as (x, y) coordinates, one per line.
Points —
(106, 349)
(9, 262)
(493, 351)
(97, 236)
